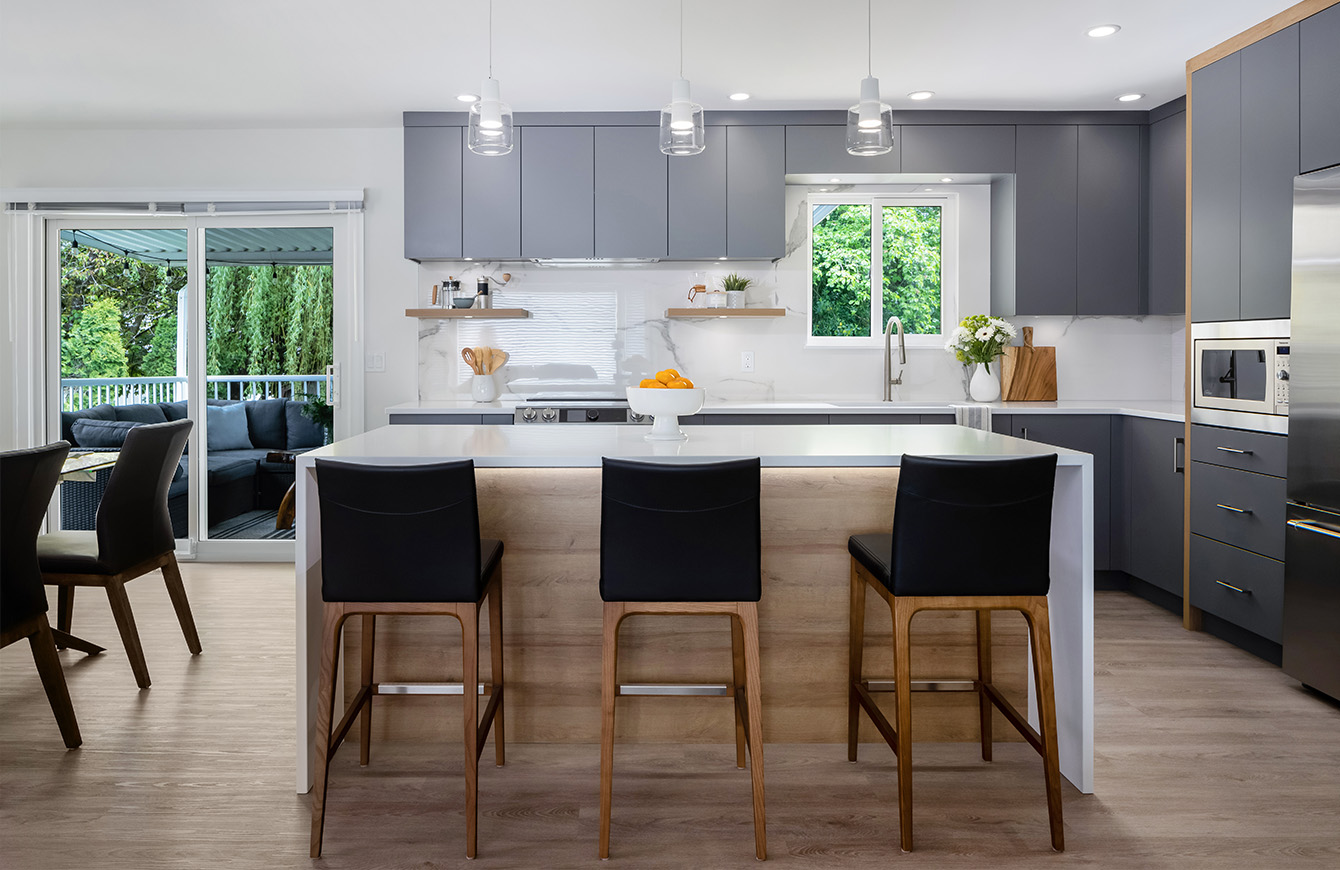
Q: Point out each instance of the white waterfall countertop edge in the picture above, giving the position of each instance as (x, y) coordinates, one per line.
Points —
(1155, 409)
(583, 446)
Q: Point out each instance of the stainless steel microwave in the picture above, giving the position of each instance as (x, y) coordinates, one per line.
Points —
(1240, 374)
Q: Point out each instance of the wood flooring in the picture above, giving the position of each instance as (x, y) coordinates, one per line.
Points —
(1206, 757)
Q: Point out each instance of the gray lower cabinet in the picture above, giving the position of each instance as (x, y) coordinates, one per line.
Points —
(755, 192)
(958, 148)
(1238, 586)
(1318, 93)
(1090, 433)
(491, 203)
(765, 419)
(1150, 501)
(631, 178)
(1166, 227)
(697, 201)
(432, 192)
(557, 192)
(1045, 238)
(1269, 164)
(1108, 220)
(1216, 189)
(817, 150)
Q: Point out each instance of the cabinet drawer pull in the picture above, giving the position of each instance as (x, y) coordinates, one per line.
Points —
(1234, 588)
(1234, 450)
(1310, 526)
(1179, 464)
(1236, 510)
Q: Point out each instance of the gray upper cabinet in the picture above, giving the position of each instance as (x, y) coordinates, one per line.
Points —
(755, 192)
(1269, 164)
(1166, 228)
(820, 149)
(1216, 186)
(697, 210)
(557, 192)
(631, 190)
(1109, 220)
(1046, 193)
(949, 148)
(491, 203)
(1152, 501)
(432, 193)
(1319, 90)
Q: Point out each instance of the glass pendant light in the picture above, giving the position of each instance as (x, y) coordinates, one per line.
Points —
(490, 118)
(869, 122)
(681, 119)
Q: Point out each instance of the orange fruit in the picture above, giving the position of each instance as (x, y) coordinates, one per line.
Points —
(680, 384)
(665, 376)
(688, 384)
(648, 383)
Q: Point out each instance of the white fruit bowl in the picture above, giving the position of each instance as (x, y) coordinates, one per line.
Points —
(665, 407)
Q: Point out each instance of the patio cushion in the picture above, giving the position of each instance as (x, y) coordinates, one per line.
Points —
(301, 432)
(141, 413)
(173, 410)
(265, 422)
(101, 433)
(227, 427)
(97, 412)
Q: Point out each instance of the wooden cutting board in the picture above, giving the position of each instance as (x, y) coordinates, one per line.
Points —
(1028, 373)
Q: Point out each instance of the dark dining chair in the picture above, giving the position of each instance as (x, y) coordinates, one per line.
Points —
(27, 480)
(404, 539)
(132, 536)
(711, 511)
(967, 535)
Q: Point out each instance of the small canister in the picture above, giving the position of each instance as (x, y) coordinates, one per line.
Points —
(482, 293)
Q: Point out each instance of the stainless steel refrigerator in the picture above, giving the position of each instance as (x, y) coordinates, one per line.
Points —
(1312, 537)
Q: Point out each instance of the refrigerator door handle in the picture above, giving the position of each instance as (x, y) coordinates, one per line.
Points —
(1313, 526)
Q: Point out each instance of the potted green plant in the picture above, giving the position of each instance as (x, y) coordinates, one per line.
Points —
(320, 412)
(735, 285)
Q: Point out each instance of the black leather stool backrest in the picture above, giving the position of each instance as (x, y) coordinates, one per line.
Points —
(133, 522)
(973, 527)
(27, 479)
(399, 532)
(675, 532)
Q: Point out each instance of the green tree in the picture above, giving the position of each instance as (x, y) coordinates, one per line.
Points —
(840, 272)
(311, 328)
(225, 341)
(265, 310)
(143, 293)
(93, 348)
(161, 360)
(912, 267)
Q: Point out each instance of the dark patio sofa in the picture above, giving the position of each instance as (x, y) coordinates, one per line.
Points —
(240, 478)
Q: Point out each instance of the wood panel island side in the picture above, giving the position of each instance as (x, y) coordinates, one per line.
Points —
(539, 491)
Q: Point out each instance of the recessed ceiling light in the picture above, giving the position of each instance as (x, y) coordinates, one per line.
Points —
(823, 190)
(1102, 30)
(835, 181)
(1129, 98)
(740, 96)
(946, 180)
(468, 98)
(928, 188)
(921, 95)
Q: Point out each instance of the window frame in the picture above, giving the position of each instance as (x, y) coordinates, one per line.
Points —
(949, 267)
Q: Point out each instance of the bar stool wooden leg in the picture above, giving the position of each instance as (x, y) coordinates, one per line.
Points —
(902, 675)
(177, 592)
(125, 623)
(855, 657)
(332, 621)
(469, 616)
(739, 686)
(984, 679)
(1040, 635)
(748, 611)
(496, 655)
(609, 661)
(365, 717)
(43, 647)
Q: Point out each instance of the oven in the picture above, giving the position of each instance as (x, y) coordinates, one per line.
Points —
(580, 408)
(1240, 374)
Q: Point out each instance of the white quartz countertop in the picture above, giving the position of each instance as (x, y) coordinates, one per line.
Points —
(1152, 408)
(584, 446)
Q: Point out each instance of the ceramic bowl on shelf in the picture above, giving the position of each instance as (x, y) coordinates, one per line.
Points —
(665, 407)
(463, 303)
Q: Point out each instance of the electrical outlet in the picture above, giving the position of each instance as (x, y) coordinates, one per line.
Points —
(746, 360)
(374, 362)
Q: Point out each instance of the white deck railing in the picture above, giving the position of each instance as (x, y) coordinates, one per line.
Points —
(78, 393)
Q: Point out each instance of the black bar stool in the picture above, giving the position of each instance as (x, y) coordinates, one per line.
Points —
(404, 539)
(714, 509)
(967, 535)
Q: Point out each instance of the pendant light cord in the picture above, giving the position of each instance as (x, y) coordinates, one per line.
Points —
(869, 39)
(681, 38)
(490, 38)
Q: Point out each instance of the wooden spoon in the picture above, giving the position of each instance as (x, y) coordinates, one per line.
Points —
(468, 355)
(486, 360)
(499, 360)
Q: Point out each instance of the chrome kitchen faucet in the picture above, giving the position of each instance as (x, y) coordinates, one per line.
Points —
(889, 380)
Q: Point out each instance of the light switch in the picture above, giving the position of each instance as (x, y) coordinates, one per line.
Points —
(374, 362)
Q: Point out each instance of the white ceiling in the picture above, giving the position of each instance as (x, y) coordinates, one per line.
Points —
(316, 63)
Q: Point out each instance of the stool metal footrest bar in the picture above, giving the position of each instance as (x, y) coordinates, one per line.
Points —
(720, 690)
(426, 689)
(944, 685)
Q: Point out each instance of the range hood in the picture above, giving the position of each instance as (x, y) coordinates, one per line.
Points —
(593, 262)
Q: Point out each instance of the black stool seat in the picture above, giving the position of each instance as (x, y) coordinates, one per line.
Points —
(875, 553)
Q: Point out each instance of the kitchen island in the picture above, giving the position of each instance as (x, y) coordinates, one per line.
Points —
(539, 491)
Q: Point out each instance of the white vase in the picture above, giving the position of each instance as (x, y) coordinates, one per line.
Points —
(984, 386)
(483, 388)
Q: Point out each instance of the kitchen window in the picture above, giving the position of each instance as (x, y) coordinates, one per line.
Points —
(906, 246)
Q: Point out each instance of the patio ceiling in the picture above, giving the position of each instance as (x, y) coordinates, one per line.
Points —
(224, 246)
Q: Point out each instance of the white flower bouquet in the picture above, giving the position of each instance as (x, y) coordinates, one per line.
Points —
(980, 338)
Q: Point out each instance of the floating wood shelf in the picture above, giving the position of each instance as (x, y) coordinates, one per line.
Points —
(703, 313)
(464, 313)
